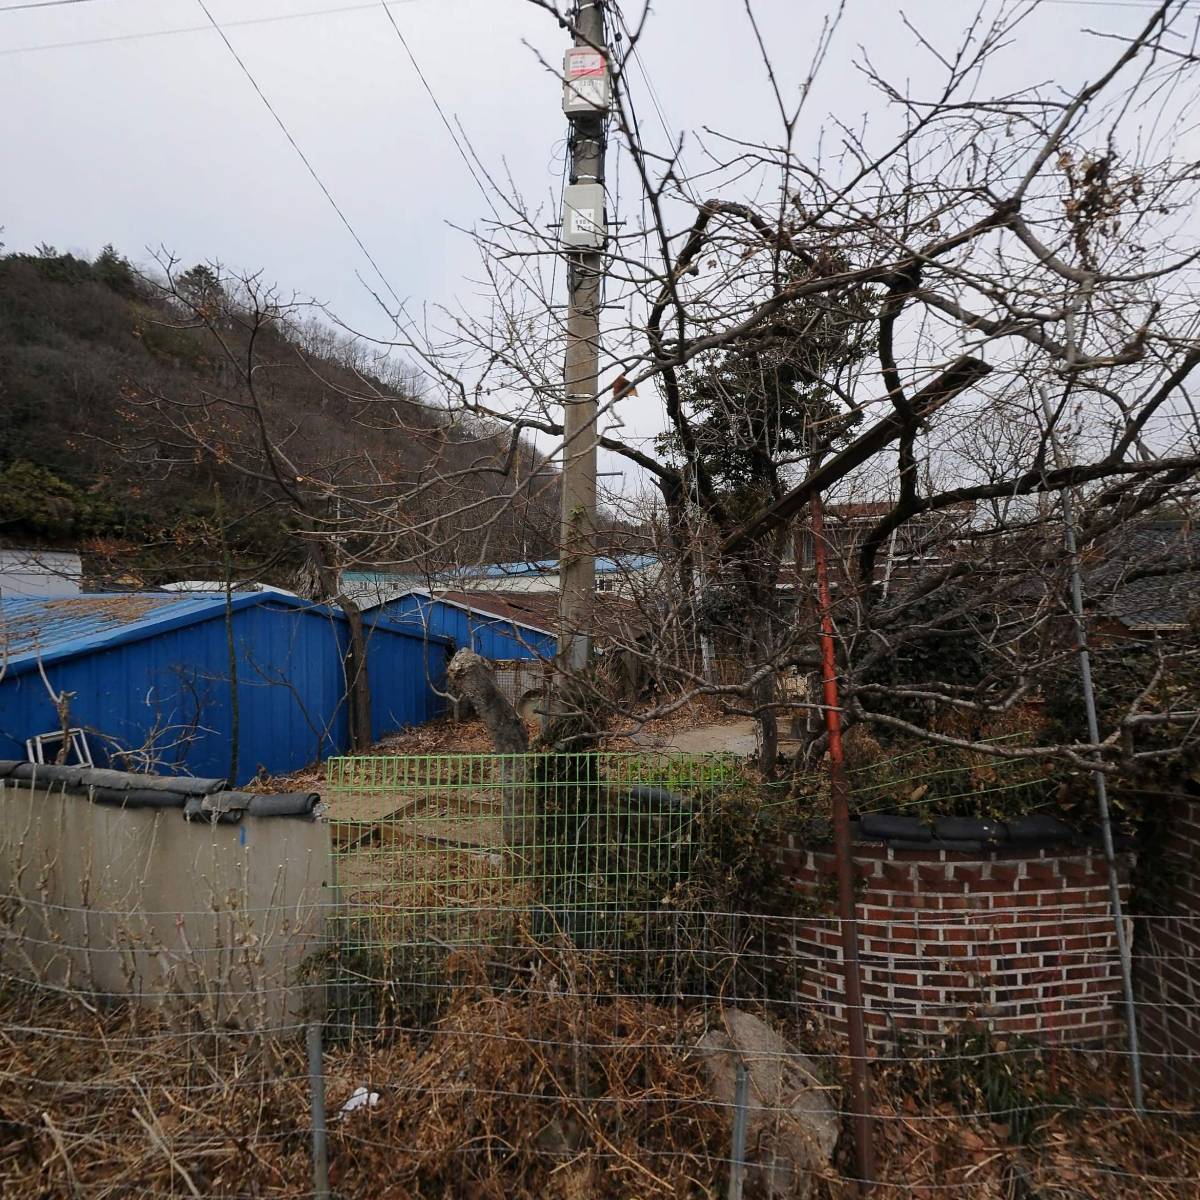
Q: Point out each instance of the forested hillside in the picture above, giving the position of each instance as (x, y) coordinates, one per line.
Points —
(129, 431)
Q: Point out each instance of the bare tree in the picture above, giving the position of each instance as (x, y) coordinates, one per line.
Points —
(983, 245)
(871, 327)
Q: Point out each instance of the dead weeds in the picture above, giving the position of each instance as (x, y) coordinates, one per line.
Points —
(548, 1088)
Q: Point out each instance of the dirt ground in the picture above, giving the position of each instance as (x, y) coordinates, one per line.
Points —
(699, 729)
(735, 736)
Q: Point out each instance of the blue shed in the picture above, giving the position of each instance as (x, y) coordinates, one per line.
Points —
(494, 627)
(161, 680)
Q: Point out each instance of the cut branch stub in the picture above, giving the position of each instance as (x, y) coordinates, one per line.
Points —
(471, 677)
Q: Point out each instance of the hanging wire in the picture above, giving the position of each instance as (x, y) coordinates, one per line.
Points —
(287, 133)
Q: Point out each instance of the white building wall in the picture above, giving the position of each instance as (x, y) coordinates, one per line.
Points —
(40, 573)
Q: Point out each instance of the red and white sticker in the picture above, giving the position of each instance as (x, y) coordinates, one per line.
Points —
(584, 62)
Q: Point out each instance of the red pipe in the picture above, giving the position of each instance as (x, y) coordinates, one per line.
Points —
(839, 787)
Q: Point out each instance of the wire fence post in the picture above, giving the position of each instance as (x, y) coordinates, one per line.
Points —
(316, 1084)
(737, 1158)
(1099, 778)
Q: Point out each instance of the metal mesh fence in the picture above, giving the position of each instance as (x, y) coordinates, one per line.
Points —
(534, 974)
(438, 854)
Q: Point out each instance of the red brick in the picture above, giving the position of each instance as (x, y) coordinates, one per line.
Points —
(916, 856)
(1046, 872)
(896, 873)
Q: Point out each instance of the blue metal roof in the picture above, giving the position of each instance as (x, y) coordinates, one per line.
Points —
(161, 680)
(59, 627)
(49, 629)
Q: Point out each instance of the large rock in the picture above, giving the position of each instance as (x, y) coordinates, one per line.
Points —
(792, 1123)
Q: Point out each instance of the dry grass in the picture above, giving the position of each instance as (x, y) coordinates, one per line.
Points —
(501, 1099)
(446, 736)
(548, 1089)
(1061, 1127)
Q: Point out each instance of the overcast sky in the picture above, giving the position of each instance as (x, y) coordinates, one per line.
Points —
(162, 141)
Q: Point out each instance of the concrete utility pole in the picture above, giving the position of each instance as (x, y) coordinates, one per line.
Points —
(586, 102)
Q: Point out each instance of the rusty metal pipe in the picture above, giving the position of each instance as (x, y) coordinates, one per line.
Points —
(839, 786)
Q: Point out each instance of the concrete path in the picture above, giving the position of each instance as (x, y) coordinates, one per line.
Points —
(733, 737)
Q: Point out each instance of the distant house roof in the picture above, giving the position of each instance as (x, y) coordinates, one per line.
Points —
(514, 570)
(859, 511)
(49, 629)
(549, 566)
(384, 585)
(1150, 577)
(612, 614)
(215, 585)
(874, 509)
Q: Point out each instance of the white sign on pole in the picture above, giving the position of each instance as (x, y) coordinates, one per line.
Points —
(585, 81)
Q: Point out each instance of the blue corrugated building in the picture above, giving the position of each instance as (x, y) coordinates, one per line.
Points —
(494, 627)
(375, 587)
(150, 678)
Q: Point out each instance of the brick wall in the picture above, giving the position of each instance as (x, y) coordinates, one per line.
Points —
(1167, 952)
(1023, 941)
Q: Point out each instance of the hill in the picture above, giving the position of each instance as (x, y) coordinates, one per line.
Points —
(130, 432)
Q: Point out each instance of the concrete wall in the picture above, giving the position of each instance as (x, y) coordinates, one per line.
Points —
(216, 921)
(39, 573)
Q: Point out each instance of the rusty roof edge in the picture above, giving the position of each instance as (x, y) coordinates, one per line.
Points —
(153, 623)
(512, 619)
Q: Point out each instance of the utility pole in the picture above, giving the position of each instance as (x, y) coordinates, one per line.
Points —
(585, 101)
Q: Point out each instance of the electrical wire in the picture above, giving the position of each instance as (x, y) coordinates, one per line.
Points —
(155, 33)
(412, 58)
(41, 4)
(303, 157)
(634, 52)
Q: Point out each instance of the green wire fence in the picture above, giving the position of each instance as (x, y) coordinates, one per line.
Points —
(443, 856)
(444, 862)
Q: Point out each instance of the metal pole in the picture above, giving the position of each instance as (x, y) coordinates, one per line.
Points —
(1098, 775)
(737, 1159)
(585, 270)
(316, 1084)
(706, 650)
(839, 786)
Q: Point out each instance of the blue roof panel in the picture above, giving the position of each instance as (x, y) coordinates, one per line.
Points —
(32, 626)
(49, 629)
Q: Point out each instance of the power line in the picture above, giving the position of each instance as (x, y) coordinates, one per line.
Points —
(1144, 5)
(634, 52)
(484, 190)
(41, 4)
(303, 157)
(154, 33)
(441, 112)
